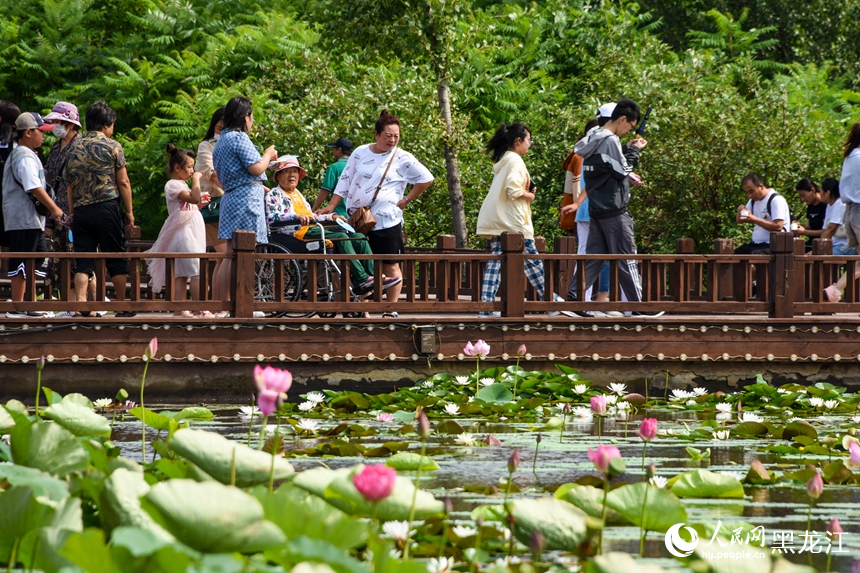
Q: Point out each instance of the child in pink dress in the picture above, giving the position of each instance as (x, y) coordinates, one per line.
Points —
(183, 232)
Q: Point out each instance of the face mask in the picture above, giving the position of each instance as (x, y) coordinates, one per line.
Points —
(217, 136)
(60, 131)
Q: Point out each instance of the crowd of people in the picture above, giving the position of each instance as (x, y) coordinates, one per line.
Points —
(80, 201)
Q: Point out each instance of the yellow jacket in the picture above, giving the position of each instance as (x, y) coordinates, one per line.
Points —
(503, 210)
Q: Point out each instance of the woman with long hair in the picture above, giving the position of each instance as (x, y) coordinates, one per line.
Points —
(211, 186)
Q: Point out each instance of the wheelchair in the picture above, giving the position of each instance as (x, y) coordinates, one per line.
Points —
(295, 280)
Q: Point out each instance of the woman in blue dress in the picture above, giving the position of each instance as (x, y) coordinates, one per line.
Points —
(240, 170)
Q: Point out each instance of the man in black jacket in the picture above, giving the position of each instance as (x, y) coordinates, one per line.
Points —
(606, 167)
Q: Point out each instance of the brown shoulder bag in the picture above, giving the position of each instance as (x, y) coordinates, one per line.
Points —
(362, 219)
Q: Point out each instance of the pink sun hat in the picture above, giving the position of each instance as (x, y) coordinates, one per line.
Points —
(285, 162)
(65, 111)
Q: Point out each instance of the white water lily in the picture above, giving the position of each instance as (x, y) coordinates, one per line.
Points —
(618, 388)
(248, 411)
(307, 425)
(700, 391)
(740, 476)
(397, 530)
(830, 404)
(580, 389)
(508, 560)
(452, 409)
(102, 403)
(678, 394)
(464, 531)
(781, 390)
(270, 429)
(465, 439)
(306, 406)
(315, 397)
(750, 417)
(441, 565)
(462, 380)
(487, 381)
(582, 412)
(725, 408)
(816, 402)
(611, 399)
(856, 419)
(721, 435)
(623, 405)
(428, 384)
(658, 481)
(792, 419)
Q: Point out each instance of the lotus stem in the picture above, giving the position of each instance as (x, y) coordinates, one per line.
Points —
(13, 554)
(516, 376)
(251, 424)
(563, 424)
(477, 374)
(274, 450)
(262, 433)
(644, 449)
(666, 388)
(38, 390)
(508, 511)
(143, 413)
(602, 527)
(534, 461)
(233, 469)
(646, 390)
(444, 537)
(477, 547)
(808, 525)
(599, 426)
(642, 523)
(113, 419)
(414, 497)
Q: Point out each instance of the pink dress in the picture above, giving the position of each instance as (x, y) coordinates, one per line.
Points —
(182, 232)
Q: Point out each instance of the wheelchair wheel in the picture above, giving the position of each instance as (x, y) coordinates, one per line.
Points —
(264, 277)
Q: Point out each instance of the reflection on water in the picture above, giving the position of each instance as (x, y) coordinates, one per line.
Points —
(776, 508)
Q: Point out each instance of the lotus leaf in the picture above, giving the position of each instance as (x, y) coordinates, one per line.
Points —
(449, 427)
(705, 484)
(495, 394)
(78, 419)
(211, 518)
(194, 413)
(589, 499)
(563, 526)
(304, 549)
(119, 503)
(615, 561)
(662, 509)
(751, 428)
(22, 512)
(405, 461)
(42, 484)
(152, 419)
(799, 428)
(6, 421)
(213, 454)
(79, 399)
(48, 447)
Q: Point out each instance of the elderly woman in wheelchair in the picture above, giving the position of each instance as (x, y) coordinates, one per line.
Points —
(286, 204)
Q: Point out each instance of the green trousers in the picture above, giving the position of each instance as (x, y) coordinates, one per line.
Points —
(359, 271)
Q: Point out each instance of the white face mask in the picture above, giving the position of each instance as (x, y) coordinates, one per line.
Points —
(217, 136)
(60, 131)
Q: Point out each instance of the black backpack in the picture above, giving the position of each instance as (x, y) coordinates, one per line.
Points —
(5, 152)
(791, 215)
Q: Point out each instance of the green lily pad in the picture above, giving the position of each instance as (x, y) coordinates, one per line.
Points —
(751, 428)
(449, 427)
(41, 483)
(48, 447)
(193, 413)
(78, 399)
(589, 499)
(152, 419)
(495, 394)
(562, 525)
(119, 503)
(799, 428)
(6, 421)
(662, 508)
(553, 423)
(705, 484)
(79, 420)
(22, 512)
(407, 461)
(211, 518)
(213, 454)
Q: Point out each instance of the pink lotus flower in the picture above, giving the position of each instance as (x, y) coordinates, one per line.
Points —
(602, 456)
(385, 417)
(375, 482)
(152, 349)
(273, 384)
(834, 527)
(648, 429)
(598, 405)
(522, 350)
(815, 486)
(480, 349)
(854, 448)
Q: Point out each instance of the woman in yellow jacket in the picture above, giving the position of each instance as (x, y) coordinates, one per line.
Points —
(507, 207)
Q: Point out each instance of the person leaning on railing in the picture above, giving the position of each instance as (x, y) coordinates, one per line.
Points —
(97, 179)
(849, 190)
(240, 169)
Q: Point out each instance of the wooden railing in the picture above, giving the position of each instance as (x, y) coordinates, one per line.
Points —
(448, 280)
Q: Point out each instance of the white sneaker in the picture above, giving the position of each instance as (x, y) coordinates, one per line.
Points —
(553, 313)
(64, 314)
(597, 313)
(613, 313)
(259, 314)
(494, 314)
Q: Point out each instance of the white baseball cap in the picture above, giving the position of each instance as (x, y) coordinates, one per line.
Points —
(606, 110)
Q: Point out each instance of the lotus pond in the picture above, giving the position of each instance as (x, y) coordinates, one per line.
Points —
(521, 472)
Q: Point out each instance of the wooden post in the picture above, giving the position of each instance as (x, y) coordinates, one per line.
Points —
(681, 272)
(446, 287)
(540, 247)
(799, 270)
(565, 246)
(820, 270)
(132, 234)
(513, 274)
(782, 275)
(244, 243)
(723, 273)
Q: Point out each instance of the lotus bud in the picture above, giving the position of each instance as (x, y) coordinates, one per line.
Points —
(479, 521)
(651, 471)
(815, 486)
(537, 542)
(521, 351)
(423, 425)
(514, 461)
(602, 457)
(855, 453)
(648, 429)
(152, 349)
(449, 505)
(834, 527)
(40, 363)
(566, 408)
(598, 405)
(492, 440)
(375, 482)
(539, 437)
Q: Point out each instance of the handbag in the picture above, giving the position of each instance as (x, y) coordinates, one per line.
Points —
(362, 218)
(212, 212)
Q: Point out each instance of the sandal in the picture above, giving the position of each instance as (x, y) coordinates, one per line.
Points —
(390, 314)
(205, 314)
(183, 314)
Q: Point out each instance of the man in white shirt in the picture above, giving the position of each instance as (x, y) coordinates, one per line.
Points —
(767, 210)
